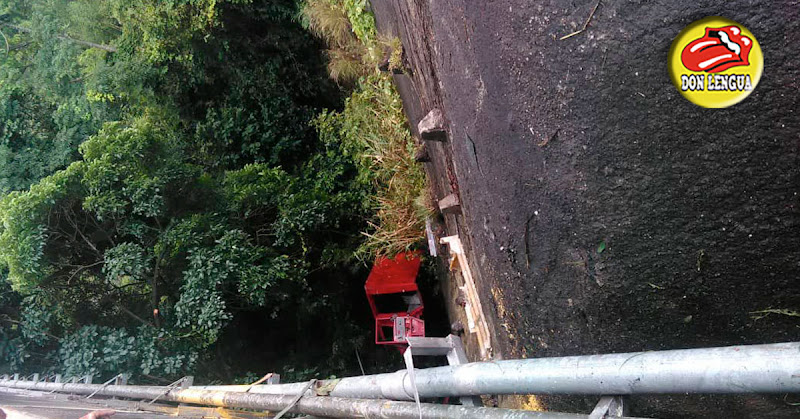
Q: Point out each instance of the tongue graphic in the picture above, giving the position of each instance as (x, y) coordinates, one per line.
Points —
(719, 50)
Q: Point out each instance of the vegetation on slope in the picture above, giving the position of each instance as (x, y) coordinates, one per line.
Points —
(372, 127)
(175, 193)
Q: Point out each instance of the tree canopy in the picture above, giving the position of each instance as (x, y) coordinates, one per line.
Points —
(161, 179)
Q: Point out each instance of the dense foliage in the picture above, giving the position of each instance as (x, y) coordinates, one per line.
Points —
(165, 186)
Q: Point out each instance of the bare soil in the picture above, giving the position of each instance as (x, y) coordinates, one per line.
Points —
(603, 212)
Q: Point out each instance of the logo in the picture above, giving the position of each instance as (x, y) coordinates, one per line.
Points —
(715, 62)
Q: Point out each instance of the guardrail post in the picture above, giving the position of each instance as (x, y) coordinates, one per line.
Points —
(122, 380)
(610, 406)
(186, 382)
(58, 378)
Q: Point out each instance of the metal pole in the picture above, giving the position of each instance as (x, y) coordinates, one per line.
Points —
(276, 389)
(315, 406)
(773, 368)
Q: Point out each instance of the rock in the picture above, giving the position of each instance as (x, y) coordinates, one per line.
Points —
(461, 299)
(431, 127)
(422, 155)
(384, 65)
(450, 204)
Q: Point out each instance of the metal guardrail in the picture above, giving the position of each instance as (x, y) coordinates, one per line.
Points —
(771, 368)
(315, 406)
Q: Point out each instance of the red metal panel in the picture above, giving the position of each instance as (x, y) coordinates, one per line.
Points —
(396, 276)
(391, 276)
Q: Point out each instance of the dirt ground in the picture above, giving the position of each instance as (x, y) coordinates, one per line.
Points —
(602, 211)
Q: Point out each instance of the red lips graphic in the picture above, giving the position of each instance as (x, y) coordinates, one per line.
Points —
(719, 50)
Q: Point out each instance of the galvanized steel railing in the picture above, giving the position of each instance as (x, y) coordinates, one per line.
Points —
(771, 368)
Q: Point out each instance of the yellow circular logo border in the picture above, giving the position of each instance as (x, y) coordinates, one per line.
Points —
(695, 32)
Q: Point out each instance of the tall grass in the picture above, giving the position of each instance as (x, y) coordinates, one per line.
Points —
(354, 49)
(372, 127)
(328, 20)
(380, 139)
(345, 67)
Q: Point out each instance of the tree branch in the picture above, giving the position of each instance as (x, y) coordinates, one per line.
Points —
(8, 48)
(82, 268)
(68, 38)
(154, 295)
(78, 231)
(132, 314)
(107, 48)
(21, 45)
(109, 236)
(8, 318)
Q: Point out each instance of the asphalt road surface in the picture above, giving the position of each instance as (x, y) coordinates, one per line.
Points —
(603, 211)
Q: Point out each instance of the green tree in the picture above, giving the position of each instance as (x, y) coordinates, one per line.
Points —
(161, 179)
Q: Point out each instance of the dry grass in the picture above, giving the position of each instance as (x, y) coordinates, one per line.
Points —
(531, 403)
(329, 22)
(348, 57)
(345, 67)
(757, 315)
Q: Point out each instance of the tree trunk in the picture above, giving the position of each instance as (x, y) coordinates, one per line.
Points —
(154, 295)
